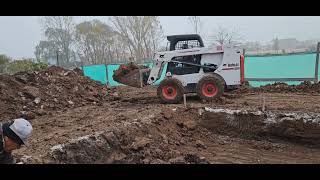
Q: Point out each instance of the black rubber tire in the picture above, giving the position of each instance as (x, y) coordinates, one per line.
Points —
(218, 83)
(174, 83)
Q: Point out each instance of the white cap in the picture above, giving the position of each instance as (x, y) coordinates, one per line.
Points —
(22, 128)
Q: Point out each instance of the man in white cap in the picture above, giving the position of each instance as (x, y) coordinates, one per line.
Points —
(12, 136)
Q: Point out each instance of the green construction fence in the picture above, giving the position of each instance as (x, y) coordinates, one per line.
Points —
(103, 73)
(275, 66)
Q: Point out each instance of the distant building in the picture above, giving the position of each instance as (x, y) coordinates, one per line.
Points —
(290, 43)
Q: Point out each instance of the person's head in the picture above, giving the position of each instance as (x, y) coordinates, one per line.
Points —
(16, 133)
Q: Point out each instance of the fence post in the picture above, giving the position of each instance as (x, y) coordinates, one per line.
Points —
(107, 76)
(317, 63)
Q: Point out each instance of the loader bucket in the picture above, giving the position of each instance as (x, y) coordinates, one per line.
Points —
(132, 75)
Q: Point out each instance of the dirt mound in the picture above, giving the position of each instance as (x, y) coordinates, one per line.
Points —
(157, 139)
(279, 87)
(28, 94)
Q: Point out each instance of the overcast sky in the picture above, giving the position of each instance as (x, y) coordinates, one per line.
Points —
(20, 34)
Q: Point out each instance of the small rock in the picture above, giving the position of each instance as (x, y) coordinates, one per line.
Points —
(140, 143)
(52, 106)
(171, 142)
(29, 160)
(31, 91)
(173, 154)
(70, 102)
(40, 112)
(182, 141)
(191, 125)
(177, 160)
(200, 111)
(158, 161)
(200, 144)
(147, 152)
(47, 139)
(118, 157)
(158, 151)
(75, 89)
(165, 138)
(66, 73)
(167, 116)
(112, 139)
(221, 142)
(30, 104)
(29, 115)
(146, 161)
(55, 100)
(37, 100)
(194, 158)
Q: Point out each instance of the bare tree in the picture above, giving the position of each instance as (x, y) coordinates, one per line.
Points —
(141, 34)
(223, 35)
(195, 21)
(59, 30)
(45, 51)
(120, 49)
(94, 40)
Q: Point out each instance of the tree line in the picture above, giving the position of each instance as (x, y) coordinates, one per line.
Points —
(117, 40)
(121, 38)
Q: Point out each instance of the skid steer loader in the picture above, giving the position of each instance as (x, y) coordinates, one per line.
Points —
(191, 68)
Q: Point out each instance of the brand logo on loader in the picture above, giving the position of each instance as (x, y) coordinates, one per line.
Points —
(233, 65)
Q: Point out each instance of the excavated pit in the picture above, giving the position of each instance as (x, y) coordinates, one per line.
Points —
(142, 142)
(300, 128)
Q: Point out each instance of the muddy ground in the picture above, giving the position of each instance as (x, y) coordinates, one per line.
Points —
(130, 125)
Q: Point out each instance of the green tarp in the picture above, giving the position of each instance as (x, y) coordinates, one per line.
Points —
(103, 73)
(96, 72)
